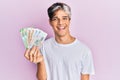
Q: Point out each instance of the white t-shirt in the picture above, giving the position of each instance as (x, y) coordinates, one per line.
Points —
(66, 61)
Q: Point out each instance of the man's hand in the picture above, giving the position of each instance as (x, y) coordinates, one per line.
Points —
(33, 54)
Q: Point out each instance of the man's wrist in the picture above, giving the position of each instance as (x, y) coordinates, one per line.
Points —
(41, 62)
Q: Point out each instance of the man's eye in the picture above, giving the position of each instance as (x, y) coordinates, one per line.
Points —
(54, 19)
(65, 18)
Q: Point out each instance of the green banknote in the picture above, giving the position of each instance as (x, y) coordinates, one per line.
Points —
(32, 37)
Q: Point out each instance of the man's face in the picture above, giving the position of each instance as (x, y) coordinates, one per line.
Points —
(60, 23)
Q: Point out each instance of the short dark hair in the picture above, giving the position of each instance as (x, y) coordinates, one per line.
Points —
(58, 6)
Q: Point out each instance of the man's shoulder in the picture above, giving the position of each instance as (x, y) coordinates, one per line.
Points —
(83, 45)
(49, 40)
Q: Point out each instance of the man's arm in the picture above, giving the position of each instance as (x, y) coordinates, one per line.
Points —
(84, 76)
(41, 71)
(35, 56)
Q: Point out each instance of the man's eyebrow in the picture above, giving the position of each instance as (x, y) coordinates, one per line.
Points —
(55, 17)
(64, 16)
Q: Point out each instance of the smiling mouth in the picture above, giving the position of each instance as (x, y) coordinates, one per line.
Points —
(61, 28)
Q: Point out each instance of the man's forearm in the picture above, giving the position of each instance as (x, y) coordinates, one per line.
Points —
(84, 76)
(41, 71)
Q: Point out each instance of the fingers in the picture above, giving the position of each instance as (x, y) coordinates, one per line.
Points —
(26, 54)
(31, 54)
(35, 56)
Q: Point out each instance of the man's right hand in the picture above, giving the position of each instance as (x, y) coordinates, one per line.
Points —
(33, 55)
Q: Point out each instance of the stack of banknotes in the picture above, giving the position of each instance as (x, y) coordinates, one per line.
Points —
(32, 37)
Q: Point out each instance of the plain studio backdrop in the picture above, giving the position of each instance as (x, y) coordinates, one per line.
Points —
(94, 22)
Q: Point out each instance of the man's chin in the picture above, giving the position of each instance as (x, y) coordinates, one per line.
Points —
(61, 35)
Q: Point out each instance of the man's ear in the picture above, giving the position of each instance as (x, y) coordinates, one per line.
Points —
(70, 19)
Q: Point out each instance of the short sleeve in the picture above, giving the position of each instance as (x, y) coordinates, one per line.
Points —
(87, 64)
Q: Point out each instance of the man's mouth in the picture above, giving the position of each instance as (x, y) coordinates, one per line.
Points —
(61, 28)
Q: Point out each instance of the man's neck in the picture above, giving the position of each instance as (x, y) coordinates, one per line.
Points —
(65, 39)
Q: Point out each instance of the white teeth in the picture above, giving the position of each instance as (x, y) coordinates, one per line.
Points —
(61, 28)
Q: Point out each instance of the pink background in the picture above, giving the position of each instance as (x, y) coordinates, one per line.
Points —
(95, 22)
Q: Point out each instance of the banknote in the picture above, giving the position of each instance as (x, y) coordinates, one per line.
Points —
(32, 37)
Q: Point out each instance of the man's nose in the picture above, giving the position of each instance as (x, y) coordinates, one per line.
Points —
(60, 21)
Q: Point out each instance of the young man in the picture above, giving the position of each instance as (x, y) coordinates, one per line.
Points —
(63, 57)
